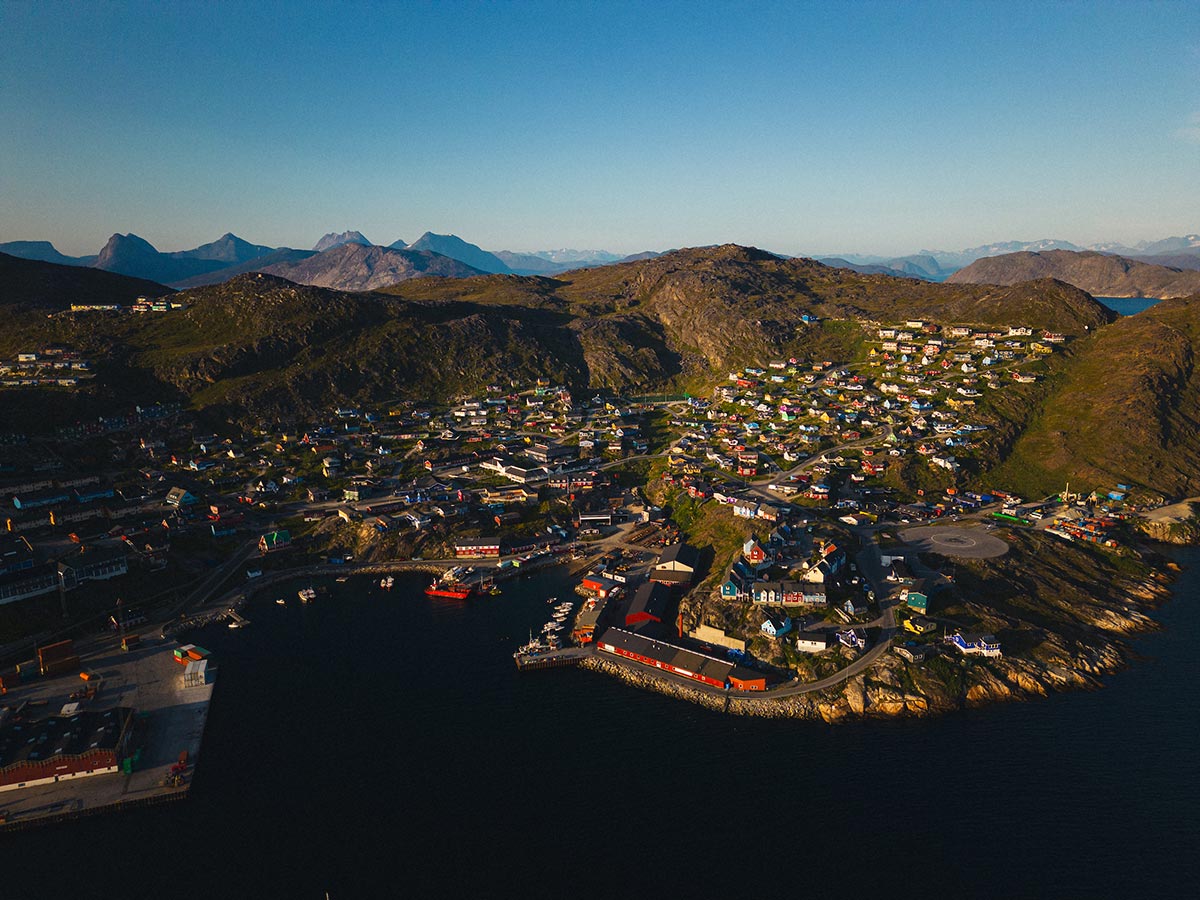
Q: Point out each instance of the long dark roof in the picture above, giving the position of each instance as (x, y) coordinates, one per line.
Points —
(37, 741)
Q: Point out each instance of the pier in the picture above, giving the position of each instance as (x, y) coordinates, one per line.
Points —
(552, 659)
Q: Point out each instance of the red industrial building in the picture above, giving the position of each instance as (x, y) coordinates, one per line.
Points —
(60, 747)
(648, 604)
(680, 661)
(477, 548)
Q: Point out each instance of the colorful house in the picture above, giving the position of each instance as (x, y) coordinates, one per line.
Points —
(915, 600)
(975, 644)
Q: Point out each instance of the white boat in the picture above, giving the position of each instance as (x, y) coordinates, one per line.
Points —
(306, 594)
(281, 602)
(235, 625)
(389, 582)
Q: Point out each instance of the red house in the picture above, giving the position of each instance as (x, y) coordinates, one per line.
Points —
(754, 552)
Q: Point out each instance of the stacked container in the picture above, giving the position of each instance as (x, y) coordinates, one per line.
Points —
(55, 659)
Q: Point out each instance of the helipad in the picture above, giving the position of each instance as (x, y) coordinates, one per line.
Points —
(967, 543)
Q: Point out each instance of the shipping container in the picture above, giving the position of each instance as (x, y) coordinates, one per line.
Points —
(194, 655)
(53, 652)
(196, 674)
(61, 666)
(182, 660)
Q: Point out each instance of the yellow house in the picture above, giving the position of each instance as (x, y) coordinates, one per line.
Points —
(919, 625)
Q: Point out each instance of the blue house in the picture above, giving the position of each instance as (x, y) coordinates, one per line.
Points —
(854, 638)
(776, 626)
(975, 644)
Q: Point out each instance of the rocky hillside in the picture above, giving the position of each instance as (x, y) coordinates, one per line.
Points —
(358, 267)
(1099, 274)
(1126, 410)
(32, 284)
(264, 346)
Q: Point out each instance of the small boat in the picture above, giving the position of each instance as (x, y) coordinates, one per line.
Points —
(306, 595)
(281, 602)
(388, 582)
(342, 579)
(235, 624)
(254, 573)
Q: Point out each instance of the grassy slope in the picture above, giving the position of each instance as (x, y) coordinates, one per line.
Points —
(1126, 409)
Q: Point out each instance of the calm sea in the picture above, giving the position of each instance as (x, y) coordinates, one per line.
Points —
(1128, 306)
(384, 745)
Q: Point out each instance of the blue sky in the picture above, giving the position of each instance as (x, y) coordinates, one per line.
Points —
(802, 128)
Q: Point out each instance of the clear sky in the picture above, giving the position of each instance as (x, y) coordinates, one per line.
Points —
(802, 128)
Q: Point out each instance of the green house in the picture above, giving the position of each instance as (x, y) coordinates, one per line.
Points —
(274, 540)
(917, 602)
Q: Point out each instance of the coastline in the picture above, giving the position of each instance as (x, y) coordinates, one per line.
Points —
(893, 688)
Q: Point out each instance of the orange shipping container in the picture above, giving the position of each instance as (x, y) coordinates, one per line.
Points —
(195, 654)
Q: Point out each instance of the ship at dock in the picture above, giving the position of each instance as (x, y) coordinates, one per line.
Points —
(452, 590)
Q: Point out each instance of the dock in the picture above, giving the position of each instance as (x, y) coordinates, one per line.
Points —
(552, 659)
(236, 618)
(151, 682)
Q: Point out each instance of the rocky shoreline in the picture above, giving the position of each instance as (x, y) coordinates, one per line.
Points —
(1091, 643)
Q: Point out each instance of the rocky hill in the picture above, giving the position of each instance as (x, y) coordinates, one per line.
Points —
(1099, 274)
(1126, 410)
(259, 346)
(358, 267)
(32, 284)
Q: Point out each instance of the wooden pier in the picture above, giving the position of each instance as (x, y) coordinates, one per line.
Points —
(551, 659)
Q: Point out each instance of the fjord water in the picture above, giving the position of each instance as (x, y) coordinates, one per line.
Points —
(1128, 306)
(384, 745)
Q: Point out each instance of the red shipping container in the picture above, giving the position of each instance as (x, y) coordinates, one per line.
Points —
(182, 660)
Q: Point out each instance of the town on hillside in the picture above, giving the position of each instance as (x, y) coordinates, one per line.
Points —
(769, 537)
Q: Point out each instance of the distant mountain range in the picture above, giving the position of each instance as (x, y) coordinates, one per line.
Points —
(936, 265)
(229, 256)
(1100, 274)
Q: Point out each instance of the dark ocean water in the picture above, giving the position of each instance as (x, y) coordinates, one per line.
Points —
(1128, 306)
(384, 745)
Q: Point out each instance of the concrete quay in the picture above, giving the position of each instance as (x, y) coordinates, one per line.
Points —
(151, 682)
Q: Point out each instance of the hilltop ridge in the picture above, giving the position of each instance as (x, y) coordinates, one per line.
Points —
(1100, 274)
